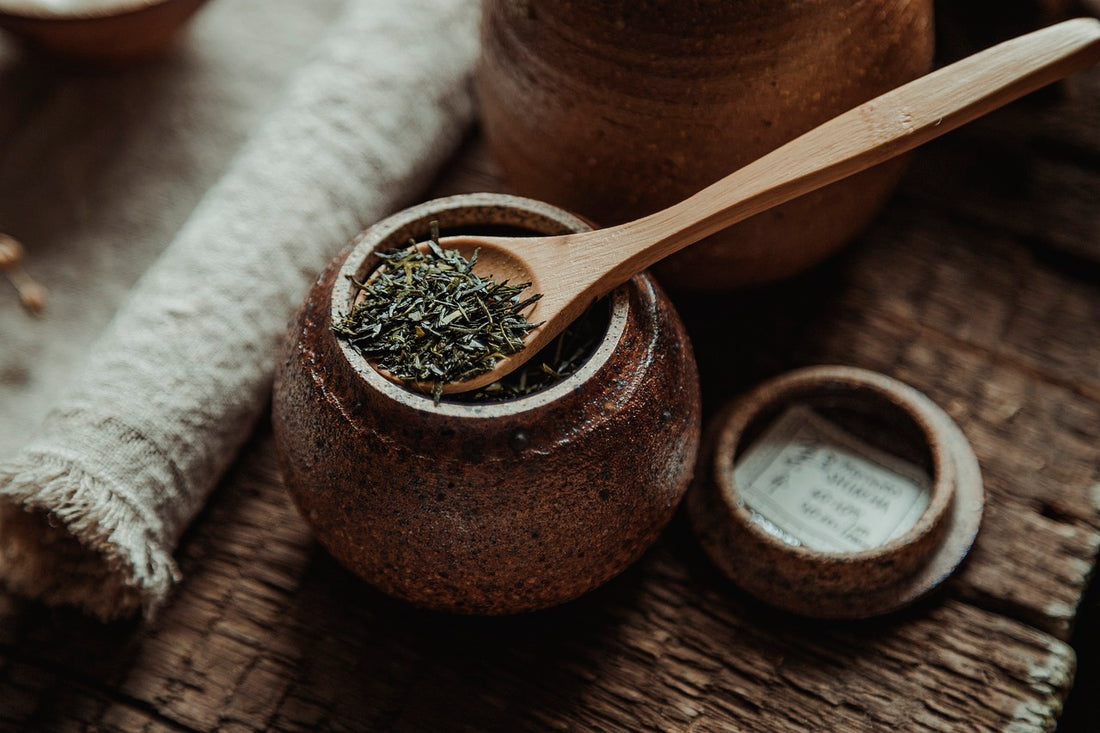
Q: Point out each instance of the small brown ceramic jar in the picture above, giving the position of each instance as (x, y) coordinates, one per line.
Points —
(617, 109)
(882, 412)
(496, 507)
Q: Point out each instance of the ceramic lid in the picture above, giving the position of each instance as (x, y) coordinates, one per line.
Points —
(836, 492)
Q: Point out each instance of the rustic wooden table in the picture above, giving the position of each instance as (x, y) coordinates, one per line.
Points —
(978, 284)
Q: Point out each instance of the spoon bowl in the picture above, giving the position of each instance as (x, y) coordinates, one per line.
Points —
(571, 271)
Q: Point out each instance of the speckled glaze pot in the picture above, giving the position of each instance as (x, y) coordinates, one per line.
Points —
(487, 508)
(617, 109)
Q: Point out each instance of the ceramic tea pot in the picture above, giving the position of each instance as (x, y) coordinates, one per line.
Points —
(497, 507)
(617, 109)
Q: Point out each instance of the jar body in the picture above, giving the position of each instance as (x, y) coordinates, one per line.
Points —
(488, 508)
(617, 109)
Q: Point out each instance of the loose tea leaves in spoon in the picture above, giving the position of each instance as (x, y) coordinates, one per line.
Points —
(428, 319)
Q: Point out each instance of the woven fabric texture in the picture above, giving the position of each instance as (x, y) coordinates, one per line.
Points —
(92, 508)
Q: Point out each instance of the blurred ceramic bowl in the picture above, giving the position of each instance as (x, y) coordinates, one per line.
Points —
(616, 109)
(120, 31)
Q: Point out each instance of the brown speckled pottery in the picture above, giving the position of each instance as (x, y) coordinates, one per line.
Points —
(884, 412)
(488, 508)
(137, 30)
(616, 109)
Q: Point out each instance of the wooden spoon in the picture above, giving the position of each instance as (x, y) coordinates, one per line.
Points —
(573, 270)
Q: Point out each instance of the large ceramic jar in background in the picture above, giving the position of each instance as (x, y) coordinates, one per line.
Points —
(493, 507)
(616, 108)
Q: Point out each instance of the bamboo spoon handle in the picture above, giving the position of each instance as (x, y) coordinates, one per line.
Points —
(573, 270)
(887, 126)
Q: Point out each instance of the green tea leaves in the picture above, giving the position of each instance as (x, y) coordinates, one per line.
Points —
(428, 319)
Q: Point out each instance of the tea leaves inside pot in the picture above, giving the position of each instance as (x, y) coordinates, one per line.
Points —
(429, 319)
(558, 360)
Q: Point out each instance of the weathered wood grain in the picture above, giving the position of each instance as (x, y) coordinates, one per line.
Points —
(953, 289)
(1032, 169)
(1035, 553)
(269, 633)
(961, 314)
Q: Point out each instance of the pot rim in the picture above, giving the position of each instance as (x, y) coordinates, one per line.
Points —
(375, 238)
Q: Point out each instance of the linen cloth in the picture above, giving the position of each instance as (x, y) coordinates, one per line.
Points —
(92, 508)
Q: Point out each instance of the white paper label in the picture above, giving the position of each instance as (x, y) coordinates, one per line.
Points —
(810, 483)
